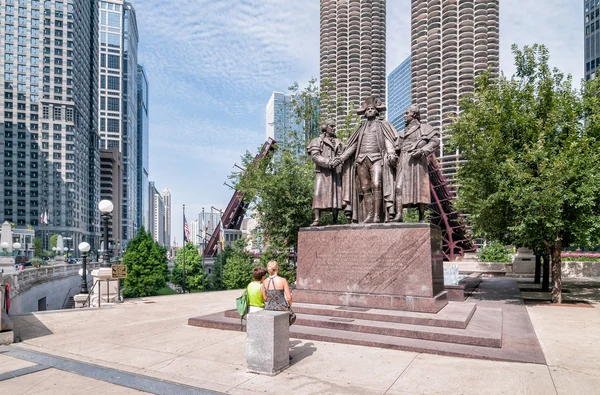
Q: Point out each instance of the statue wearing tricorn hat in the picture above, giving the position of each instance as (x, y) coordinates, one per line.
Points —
(369, 166)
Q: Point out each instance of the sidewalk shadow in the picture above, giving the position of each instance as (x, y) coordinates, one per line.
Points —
(299, 352)
(28, 326)
(498, 290)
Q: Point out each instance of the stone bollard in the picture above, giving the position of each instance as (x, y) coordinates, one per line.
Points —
(267, 342)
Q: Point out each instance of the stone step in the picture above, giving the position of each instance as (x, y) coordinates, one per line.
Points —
(484, 329)
(453, 315)
(509, 352)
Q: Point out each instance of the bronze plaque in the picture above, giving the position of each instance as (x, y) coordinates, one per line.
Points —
(119, 271)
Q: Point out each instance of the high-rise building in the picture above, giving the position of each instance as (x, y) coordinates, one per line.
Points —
(195, 232)
(143, 140)
(592, 38)
(157, 217)
(352, 54)
(111, 188)
(451, 43)
(118, 38)
(166, 195)
(281, 125)
(49, 158)
(398, 94)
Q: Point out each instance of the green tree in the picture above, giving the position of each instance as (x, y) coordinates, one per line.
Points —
(494, 252)
(53, 240)
(532, 175)
(282, 256)
(38, 249)
(216, 278)
(146, 263)
(237, 271)
(196, 278)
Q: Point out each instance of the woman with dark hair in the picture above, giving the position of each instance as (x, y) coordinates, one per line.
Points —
(255, 288)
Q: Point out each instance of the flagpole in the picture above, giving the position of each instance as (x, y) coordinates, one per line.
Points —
(184, 242)
(203, 233)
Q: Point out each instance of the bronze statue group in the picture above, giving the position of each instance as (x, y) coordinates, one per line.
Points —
(378, 172)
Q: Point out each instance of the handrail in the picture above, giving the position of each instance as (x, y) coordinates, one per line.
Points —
(66, 298)
(90, 293)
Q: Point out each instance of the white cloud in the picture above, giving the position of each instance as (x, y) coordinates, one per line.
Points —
(212, 65)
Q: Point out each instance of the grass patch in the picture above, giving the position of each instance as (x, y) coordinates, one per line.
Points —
(165, 291)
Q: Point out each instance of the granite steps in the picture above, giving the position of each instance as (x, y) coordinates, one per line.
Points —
(508, 352)
(463, 330)
(485, 328)
(494, 313)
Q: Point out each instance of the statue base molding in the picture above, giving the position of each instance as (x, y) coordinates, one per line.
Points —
(392, 266)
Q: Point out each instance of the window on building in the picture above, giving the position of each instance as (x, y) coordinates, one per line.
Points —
(113, 62)
(113, 82)
(69, 115)
(57, 113)
(113, 104)
(113, 125)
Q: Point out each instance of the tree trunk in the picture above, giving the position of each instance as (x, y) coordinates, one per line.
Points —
(556, 272)
(546, 278)
(538, 268)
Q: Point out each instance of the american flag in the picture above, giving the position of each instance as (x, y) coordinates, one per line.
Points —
(186, 228)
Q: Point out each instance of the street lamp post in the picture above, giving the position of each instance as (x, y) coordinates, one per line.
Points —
(106, 207)
(84, 248)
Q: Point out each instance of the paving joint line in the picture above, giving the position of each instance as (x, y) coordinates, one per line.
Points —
(22, 372)
(552, 378)
(114, 376)
(401, 373)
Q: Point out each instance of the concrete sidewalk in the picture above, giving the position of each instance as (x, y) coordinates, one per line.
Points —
(149, 339)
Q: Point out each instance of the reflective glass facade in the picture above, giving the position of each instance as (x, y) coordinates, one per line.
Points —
(398, 94)
(592, 38)
(49, 158)
(118, 104)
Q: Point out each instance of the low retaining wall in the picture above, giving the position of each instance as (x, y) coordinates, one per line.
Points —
(44, 288)
(569, 269)
(580, 269)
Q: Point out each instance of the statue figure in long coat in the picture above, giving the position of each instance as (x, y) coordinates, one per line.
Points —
(368, 179)
(415, 143)
(328, 177)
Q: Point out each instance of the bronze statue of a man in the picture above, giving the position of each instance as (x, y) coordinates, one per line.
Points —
(368, 179)
(415, 143)
(328, 177)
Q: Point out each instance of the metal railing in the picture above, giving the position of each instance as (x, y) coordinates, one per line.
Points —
(98, 282)
(64, 305)
(90, 293)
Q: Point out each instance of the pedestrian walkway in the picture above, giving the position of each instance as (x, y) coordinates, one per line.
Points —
(148, 340)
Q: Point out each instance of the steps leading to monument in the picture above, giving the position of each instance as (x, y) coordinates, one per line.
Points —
(485, 328)
(454, 315)
(385, 340)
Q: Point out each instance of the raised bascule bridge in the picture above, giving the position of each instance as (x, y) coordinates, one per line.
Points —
(456, 238)
(236, 209)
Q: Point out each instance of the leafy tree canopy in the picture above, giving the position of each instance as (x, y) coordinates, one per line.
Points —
(146, 263)
(237, 271)
(532, 175)
(196, 279)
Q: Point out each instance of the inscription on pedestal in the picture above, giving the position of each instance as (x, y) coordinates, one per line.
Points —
(388, 260)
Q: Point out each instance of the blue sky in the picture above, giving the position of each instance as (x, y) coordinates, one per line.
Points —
(213, 64)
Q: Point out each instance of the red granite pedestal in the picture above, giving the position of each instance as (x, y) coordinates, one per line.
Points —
(381, 266)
